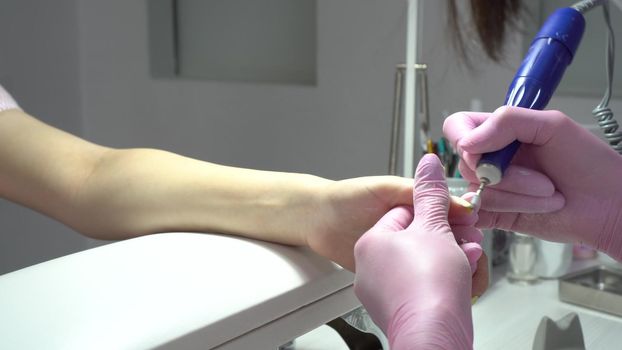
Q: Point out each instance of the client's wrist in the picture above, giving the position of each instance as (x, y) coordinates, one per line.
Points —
(300, 200)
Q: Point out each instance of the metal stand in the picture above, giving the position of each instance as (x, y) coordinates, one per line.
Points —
(398, 103)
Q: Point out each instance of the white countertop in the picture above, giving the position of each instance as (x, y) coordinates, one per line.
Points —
(160, 290)
(508, 315)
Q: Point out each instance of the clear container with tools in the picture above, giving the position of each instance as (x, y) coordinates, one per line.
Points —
(523, 259)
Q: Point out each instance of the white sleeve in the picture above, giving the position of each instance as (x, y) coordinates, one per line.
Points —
(6, 100)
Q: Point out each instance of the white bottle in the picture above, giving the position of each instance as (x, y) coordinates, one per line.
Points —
(554, 259)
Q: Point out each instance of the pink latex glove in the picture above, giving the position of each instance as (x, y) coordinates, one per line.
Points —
(411, 275)
(564, 184)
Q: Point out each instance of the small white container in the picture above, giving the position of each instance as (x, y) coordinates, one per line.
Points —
(523, 257)
(554, 258)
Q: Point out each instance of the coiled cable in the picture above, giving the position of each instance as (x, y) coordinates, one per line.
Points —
(602, 112)
(586, 5)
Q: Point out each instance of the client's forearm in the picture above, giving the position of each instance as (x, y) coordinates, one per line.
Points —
(140, 191)
(111, 194)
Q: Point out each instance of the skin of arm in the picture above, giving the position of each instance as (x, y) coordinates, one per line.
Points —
(111, 194)
(108, 193)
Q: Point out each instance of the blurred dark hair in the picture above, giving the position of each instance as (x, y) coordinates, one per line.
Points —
(490, 18)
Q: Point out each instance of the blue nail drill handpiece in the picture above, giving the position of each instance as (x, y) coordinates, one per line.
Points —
(551, 51)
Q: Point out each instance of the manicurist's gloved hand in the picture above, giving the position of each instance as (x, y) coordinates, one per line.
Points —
(564, 184)
(412, 276)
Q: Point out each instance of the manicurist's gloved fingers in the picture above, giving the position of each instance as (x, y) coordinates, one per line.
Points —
(502, 201)
(480, 277)
(517, 179)
(467, 172)
(490, 219)
(466, 234)
(499, 130)
(473, 252)
(395, 220)
(479, 267)
(431, 196)
(462, 123)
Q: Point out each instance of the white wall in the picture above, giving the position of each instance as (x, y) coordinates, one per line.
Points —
(338, 129)
(452, 85)
(38, 64)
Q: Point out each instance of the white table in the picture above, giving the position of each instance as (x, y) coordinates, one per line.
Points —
(177, 291)
(185, 290)
(507, 317)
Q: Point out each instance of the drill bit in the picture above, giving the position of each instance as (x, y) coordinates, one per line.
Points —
(477, 198)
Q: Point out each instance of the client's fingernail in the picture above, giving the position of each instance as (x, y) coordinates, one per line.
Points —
(474, 300)
(464, 203)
